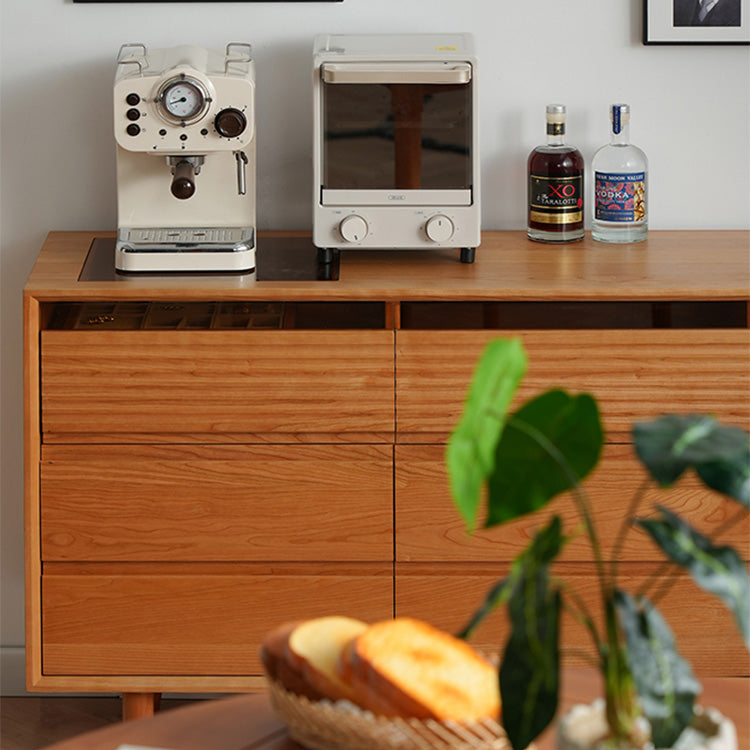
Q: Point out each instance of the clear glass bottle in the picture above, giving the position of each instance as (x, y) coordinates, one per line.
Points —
(620, 178)
(555, 185)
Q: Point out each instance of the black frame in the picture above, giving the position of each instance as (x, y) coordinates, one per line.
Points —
(659, 28)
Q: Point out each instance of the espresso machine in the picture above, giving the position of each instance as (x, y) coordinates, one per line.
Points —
(184, 121)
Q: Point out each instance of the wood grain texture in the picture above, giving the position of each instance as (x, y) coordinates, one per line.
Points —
(447, 595)
(238, 503)
(191, 624)
(214, 381)
(429, 527)
(635, 375)
(669, 265)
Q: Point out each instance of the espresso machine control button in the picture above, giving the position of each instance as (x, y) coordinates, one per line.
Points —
(133, 114)
(133, 129)
(133, 99)
(230, 122)
(439, 228)
(353, 228)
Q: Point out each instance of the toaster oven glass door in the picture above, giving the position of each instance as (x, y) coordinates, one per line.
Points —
(394, 128)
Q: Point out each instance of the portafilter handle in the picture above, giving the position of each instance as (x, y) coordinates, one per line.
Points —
(184, 170)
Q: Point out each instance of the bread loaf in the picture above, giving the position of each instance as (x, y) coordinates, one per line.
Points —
(313, 649)
(402, 667)
(406, 667)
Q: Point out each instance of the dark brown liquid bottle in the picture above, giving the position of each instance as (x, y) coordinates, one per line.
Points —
(555, 185)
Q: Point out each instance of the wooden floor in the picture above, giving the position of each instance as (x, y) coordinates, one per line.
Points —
(34, 722)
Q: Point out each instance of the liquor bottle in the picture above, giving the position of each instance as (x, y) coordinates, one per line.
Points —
(555, 185)
(620, 185)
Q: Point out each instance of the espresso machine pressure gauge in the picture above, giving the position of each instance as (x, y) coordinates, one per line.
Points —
(182, 99)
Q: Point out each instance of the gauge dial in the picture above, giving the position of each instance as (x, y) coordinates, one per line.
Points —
(183, 99)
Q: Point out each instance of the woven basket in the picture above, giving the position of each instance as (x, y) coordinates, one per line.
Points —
(323, 725)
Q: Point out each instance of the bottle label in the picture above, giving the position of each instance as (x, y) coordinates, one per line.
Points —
(620, 196)
(556, 200)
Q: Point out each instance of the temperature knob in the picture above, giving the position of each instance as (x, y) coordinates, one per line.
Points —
(353, 228)
(439, 228)
(230, 122)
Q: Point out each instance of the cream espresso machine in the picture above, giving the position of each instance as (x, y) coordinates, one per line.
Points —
(184, 121)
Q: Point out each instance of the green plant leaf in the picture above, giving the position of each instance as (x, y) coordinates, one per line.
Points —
(718, 570)
(530, 668)
(663, 679)
(495, 597)
(548, 446)
(720, 455)
(471, 447)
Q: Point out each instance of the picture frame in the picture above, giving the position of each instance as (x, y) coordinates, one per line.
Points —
(682, 22)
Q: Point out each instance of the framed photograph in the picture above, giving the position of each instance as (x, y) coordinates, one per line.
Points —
(696, 21)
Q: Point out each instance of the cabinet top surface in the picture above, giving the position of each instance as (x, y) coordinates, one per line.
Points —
(674, 265)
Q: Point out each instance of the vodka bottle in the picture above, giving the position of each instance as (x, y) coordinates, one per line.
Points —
(620, 185)
(555, 185)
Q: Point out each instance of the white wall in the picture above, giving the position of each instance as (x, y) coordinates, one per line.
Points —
(690, 113)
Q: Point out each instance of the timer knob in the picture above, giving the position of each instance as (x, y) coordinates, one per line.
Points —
(230, 122)
(353, 228)
(439, 228)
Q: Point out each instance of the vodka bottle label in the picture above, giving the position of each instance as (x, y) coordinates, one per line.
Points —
(556, 200)
(620, 196)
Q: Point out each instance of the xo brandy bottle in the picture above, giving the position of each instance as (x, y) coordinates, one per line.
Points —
(555, 185)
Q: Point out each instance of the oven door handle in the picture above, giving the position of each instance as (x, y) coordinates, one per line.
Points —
(416, 72)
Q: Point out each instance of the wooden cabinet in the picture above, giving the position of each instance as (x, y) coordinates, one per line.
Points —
(209, 456)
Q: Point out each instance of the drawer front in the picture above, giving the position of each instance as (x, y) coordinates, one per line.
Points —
(136, 385)
(244, 503)
(190, 624)
(447, 596)
(429, 528)
(634, 374)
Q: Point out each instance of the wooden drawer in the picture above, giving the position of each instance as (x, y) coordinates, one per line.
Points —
(429, 528)
(634, 374)
(195, 621)
(148, 386)
(448, 594)
(222, 502)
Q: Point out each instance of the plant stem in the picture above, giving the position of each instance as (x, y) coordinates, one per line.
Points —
(626, 524)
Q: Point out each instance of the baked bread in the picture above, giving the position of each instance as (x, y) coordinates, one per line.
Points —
(273, 654)
(402, 667)
(406, 667)
(313, 648)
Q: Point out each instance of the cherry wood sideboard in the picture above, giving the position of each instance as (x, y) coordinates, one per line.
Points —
(207, 456)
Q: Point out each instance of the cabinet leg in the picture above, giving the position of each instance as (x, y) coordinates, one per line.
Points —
(138, 705)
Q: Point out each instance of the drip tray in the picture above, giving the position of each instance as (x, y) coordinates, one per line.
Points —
(276, 259)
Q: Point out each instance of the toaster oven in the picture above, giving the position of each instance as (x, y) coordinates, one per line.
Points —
(396, 146)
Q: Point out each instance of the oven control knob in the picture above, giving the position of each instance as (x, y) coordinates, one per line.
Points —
(230, 122)
(353, 228)
(439, 228)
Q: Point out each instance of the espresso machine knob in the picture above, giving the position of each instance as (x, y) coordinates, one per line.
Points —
(353, 228)
(230, 122)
